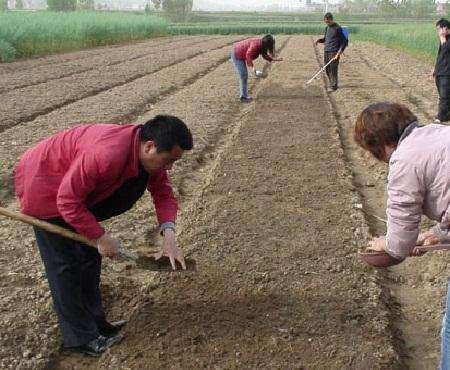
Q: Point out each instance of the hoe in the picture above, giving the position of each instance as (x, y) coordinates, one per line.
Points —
(382, 259)
(141, 261)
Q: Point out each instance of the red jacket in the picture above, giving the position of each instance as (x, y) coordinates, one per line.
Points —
(249, 50)
(69, 172)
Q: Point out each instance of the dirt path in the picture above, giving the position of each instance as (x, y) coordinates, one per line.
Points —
(270, 208)
(30, 339)
(267, 233)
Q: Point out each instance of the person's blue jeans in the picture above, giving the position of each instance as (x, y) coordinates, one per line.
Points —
(445, 335)
(242, 72)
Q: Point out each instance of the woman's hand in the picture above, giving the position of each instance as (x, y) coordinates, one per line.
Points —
(427, 238)
(170, 249)
(377, 244)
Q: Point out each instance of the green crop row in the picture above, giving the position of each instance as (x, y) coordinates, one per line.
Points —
(25, 34)
(246, 28)
(418, 39)
(277, 17)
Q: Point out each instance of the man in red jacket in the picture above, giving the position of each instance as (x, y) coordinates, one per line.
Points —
(88, 174)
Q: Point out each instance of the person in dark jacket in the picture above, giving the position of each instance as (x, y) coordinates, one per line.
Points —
(442, 71)
(335, 44)
(84, 175)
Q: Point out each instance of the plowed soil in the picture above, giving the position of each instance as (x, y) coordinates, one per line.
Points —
(275, 201)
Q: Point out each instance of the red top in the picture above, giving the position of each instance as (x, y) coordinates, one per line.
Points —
(249, 50)
(69, 172)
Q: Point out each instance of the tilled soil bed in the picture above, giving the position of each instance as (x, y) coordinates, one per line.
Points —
(270, 208)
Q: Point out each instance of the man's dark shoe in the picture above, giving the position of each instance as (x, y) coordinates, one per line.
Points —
(246, 99)
(94, 348)
(97, 346)
(111, 329)
(111, 341)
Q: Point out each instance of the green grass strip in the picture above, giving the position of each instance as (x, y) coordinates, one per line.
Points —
(245, 28)
(26, 34)
(418, 39)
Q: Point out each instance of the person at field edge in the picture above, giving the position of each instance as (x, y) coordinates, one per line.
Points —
(88, 174)
(418, 183)
(441, 71)
(335, 44)
(244, 52)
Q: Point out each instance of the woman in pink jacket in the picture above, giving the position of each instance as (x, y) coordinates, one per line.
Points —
(418, 183)
(244, 52)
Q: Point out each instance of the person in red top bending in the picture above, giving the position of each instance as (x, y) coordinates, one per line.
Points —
(244, 52)
(88, 174)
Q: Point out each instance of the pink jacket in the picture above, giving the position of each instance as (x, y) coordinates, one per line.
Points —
(71, 171)
(418, 183)
(249, 50)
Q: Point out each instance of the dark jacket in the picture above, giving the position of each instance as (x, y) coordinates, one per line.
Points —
(442, 67)
(334, 38)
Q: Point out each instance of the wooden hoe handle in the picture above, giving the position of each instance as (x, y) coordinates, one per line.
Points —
(127, 255)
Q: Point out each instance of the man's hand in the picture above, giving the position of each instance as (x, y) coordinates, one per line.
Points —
(108, 246)
(170, 249)
(442, 33)
(338, 55)
(377, 244)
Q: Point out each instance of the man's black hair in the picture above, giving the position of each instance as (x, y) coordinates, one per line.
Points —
(443, 23)
(328, 16)
(167, 131)
(268, 44)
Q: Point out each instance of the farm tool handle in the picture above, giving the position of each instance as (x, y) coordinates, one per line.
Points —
(123, 253)
(319, 72)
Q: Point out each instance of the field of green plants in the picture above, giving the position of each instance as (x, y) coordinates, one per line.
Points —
(275, 17)
(257, 28)
(419, 39)
(25, 34)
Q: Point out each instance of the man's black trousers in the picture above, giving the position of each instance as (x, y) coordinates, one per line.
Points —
(443, 86)
(332, 68)
(73, 269)
(73, 273)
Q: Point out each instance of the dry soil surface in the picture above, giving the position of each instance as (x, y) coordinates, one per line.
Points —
(275, 202)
